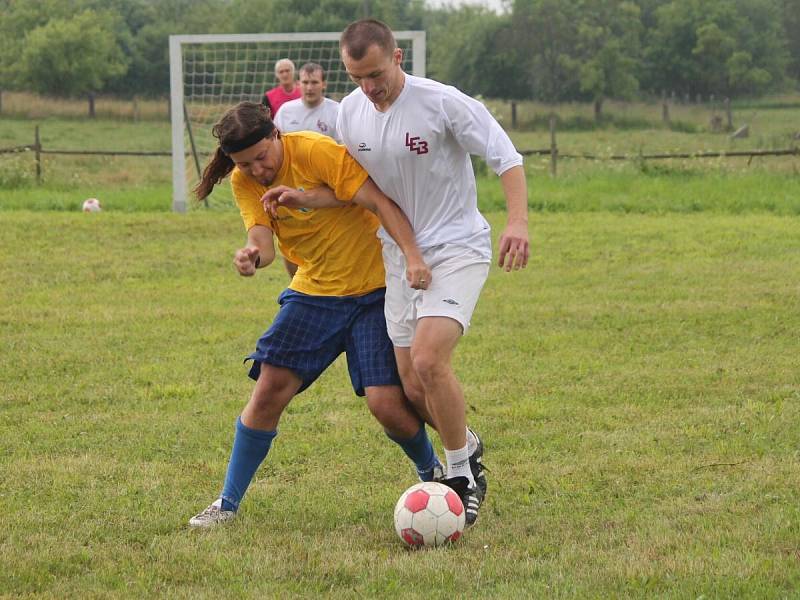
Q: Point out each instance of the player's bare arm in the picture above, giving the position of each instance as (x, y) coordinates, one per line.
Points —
(514, 241)
(282, 195)
(259, 252)
(396, 224)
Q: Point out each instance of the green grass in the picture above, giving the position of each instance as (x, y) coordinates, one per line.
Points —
(122, 183)
(653, 189)
(637, 387)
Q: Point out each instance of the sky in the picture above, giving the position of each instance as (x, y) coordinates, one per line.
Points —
(496, 5)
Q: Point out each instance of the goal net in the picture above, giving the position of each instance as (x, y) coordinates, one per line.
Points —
(211, 73)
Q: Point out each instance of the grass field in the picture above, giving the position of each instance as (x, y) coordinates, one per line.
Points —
(637, 387)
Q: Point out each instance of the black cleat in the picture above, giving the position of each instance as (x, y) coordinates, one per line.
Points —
(477, 468)
(470, 497)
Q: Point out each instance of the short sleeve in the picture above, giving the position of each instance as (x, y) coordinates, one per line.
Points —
(478, 132)
(337, 168)
(247, 193)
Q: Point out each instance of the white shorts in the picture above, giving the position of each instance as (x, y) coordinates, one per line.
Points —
(458, 275)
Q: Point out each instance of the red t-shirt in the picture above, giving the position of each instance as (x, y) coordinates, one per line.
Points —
(277, 96)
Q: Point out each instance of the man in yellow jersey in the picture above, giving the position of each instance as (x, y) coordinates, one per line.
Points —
(334, 302)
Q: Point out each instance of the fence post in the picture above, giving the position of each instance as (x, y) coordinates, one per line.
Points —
(553, 147)
(664, 109)
(513, 115)
(729, 114)
(37, 148)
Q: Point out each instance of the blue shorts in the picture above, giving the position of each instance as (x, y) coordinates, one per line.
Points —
(310, 332)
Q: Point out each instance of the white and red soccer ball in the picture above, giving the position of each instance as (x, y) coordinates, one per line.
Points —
(92, 205)
(429, 514)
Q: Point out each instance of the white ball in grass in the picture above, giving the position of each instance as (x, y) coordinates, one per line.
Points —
(429, 514)
(92, 205)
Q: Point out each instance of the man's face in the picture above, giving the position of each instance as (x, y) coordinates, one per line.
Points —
(377, 74)
(285, 74)
(261, 161)
(312, 85)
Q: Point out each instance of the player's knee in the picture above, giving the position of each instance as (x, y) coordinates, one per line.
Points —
(388, 405)
(415, 394)
(383, 401)
(429, 367)
(271, 395)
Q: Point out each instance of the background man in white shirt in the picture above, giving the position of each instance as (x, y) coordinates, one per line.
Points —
(414, 137)
(312, 111)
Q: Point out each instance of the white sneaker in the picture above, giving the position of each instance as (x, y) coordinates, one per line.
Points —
(213, 515)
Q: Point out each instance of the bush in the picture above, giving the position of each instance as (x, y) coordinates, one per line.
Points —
(17, 171)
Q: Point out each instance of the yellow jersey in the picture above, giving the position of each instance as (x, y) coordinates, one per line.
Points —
(336, 249)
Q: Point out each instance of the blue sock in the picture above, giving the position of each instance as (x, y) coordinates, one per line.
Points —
(420, 450)
(250, 447)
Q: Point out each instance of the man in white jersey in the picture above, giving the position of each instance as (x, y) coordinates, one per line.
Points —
(414, 137)
(312, 111)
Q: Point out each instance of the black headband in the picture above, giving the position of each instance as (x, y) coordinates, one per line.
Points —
(249, 140)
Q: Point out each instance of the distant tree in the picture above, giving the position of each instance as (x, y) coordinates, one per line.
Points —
(18, 18)
(647, 9)
(608, 46)
(278, 16)
(151, 25)
(545, 33)
(472, 48)
(791, 24)
(759, 63)
(717, 47)
(73, 56)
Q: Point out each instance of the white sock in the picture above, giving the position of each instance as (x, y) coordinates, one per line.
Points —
(458, 464)
(472, 442)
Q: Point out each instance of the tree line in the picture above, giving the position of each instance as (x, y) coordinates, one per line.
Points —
(547, 50)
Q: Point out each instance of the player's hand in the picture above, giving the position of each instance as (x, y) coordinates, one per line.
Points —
(418, 274)
(514, 246)
(281, 195)
(245, 261)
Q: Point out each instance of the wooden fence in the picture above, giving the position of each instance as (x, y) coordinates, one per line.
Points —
(553, 152)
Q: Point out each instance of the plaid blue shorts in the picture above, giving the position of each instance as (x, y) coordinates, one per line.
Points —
(310, 332)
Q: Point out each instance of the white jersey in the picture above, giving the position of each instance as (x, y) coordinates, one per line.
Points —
(296, 116)
(418, 151)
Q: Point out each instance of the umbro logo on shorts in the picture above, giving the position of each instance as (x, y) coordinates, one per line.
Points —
(362, 147)
(450, 301)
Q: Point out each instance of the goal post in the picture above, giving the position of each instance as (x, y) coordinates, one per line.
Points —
(210, 73)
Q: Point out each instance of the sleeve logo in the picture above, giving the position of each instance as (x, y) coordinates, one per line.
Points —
(415, 144)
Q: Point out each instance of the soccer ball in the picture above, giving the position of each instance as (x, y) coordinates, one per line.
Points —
(429, 514)
(92, 205)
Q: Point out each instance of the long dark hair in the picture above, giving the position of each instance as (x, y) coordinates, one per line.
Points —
(236, 125)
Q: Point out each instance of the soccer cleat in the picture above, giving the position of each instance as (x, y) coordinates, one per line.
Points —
(470, 496)
(477, 468)
(434, 474)
(212, 516)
